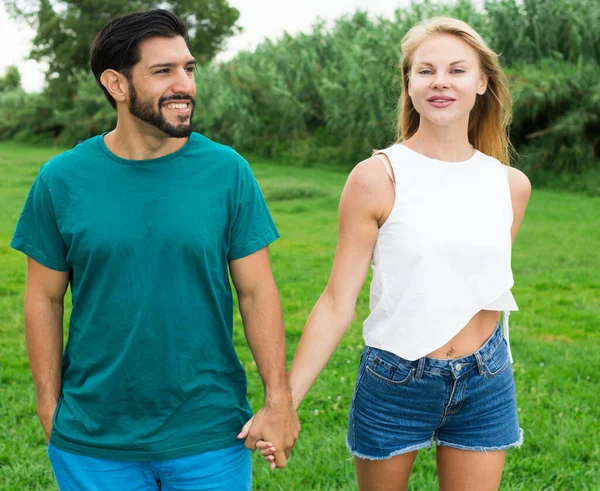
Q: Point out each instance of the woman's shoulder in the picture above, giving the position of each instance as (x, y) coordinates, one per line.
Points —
(520, 186)
(518, 182)
(370, 185)
(373, 173)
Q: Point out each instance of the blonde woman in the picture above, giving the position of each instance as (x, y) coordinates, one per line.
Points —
(436, 214)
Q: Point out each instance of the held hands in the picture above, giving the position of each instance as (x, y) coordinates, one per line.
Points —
(273, 430)
(267, 450)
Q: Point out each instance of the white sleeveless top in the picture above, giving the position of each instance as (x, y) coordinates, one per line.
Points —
(442, 255)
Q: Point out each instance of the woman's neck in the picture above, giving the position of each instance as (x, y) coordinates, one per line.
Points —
(450, 143)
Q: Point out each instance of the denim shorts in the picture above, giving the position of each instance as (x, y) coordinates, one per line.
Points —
(400, 406)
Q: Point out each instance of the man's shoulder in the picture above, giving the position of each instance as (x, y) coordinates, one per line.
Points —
(218, 151)
(65, 162)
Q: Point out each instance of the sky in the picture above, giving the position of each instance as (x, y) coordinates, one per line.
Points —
(260, 19)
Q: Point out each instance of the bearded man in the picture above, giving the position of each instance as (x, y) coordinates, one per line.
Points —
(144, 223)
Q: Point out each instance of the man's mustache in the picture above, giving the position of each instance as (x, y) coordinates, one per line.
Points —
(163, 100)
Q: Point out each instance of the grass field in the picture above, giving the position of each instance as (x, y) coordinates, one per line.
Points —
(555, 338)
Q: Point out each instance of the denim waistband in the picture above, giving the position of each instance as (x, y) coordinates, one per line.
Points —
(459, 366)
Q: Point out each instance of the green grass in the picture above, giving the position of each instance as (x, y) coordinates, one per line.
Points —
(554, 337)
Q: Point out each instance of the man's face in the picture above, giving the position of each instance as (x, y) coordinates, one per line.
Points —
(162, 86)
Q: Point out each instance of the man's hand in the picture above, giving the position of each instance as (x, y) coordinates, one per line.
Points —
(276, 422)
(46, 415)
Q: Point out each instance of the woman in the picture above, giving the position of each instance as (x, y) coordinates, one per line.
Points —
(436, 214)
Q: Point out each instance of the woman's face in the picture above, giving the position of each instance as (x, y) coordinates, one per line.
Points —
(445, 79)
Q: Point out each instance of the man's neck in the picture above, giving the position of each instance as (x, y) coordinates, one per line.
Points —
(133, 144)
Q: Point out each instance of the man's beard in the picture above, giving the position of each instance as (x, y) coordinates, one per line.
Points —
(145, 111)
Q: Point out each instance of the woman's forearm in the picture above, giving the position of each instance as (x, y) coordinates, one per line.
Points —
(325, 328)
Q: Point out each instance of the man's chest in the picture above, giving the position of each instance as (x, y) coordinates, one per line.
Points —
(180, 217)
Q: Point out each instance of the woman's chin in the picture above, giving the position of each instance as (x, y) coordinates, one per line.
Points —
(444, 119)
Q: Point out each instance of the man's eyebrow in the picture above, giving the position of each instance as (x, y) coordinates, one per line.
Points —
(171, 65)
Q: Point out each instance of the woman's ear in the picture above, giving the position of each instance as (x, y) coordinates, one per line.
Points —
(483, 83)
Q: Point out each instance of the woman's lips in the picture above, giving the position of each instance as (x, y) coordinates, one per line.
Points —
(441, 102)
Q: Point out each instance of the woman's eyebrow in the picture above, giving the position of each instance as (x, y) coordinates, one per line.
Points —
(458, 62)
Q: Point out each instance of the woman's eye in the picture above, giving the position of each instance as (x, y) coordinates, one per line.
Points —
(425, 72)
(458, 71)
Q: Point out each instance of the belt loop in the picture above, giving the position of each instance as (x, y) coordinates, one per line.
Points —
(420, 368)
(480, 364)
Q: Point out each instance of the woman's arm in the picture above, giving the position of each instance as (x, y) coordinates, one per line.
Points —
(520, 190)
(366, 201)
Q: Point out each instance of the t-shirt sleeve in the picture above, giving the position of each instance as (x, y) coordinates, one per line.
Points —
(252, 227)
(37, 233)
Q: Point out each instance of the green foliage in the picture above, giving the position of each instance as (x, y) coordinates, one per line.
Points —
(27, 117)
(557, 115)
(11, 79)
(87, 115)
(35, 118)
(66, 28)
(330, 95)
(529, 30)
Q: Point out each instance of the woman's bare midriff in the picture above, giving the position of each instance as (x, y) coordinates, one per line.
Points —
(472, 337)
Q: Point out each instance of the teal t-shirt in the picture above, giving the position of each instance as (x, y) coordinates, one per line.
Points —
(149, 370)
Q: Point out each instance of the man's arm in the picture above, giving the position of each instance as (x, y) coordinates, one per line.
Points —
(44, 307)
(260, 308)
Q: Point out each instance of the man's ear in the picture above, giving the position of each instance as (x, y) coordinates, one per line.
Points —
(116, 84)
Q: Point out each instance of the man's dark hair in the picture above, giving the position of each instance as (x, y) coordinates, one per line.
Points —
(116, 46)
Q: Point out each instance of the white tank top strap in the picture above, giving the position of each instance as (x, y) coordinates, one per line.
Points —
(386, 164)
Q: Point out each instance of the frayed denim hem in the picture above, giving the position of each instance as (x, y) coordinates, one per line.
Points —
(516, 444)
(412, 448)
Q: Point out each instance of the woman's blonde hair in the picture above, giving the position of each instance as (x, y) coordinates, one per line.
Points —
(491, 114)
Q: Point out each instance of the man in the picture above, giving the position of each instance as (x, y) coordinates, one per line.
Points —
(145, 223)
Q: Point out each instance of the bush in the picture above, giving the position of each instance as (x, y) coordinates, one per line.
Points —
(557, 115)
(27, 117)
(330, 95)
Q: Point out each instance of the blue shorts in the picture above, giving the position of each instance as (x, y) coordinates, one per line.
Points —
(400, 406)
(220, 470)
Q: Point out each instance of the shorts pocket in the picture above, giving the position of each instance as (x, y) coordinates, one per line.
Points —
(361, 370)
(498, 361)
(388, 368)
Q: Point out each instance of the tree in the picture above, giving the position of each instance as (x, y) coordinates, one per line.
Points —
(66, 28)
(11, 79)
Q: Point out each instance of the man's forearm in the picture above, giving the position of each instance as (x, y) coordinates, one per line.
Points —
(263, 324)
(44, 338)
(276, 422)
